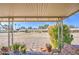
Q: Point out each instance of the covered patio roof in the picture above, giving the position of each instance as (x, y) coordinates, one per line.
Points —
(37, 11)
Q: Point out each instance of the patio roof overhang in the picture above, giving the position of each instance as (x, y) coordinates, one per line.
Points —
(37, 11)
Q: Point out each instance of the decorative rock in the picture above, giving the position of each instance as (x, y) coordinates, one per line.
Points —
(68, 50)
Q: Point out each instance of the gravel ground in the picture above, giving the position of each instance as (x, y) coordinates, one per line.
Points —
(31, 40)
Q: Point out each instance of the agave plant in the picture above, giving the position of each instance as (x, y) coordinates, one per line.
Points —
(19, 47)
(15, 47)
(22, 48)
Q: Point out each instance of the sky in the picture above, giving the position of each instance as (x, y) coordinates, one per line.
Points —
(72, 20)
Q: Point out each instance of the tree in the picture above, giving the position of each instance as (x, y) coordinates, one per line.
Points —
(43, 26)
(22, 27)
(30, 27)
(46, 26)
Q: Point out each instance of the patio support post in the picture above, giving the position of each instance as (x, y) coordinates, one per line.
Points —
(8, 32)
(12, 30)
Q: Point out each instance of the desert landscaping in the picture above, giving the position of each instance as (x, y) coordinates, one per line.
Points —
(34, 40)
(31, 40)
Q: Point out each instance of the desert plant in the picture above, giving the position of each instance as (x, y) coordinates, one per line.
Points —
(53, 36)
(15, 47)
(22, 48)
(67, 37)
(53, 32)
(19, 47)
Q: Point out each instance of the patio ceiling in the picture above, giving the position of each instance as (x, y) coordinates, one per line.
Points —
(37, 11)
